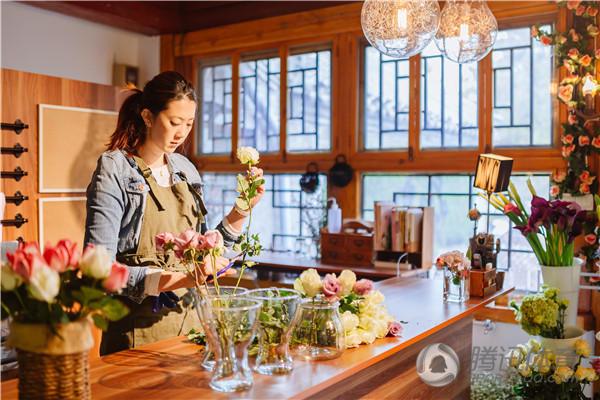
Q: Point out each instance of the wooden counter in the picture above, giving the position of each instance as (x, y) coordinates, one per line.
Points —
(386, 369)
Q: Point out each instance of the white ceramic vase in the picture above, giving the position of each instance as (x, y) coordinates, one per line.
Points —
(566, 279)
(564, 349)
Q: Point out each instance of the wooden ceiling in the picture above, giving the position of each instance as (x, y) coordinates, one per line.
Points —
(162, 17)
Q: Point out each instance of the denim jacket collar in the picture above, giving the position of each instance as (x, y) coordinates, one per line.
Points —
(172, 166)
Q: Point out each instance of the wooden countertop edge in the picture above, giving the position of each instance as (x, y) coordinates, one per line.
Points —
(401, 346)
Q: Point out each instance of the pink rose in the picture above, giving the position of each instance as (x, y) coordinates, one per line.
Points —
(569, 66)
(186, 240)
(565, 93)
(56, 258)
(567, 139)
(25, 259)
(362, 287)
(572, 119)
(511, 208)
(574, 35)
(567, 150)
(117, 279)
(395, 329)
(213, 239)
(584, 140)
(546, 40)
(534, 31)
(573, 54)
(596, 142)
(590, 239)
(559, 176)
(554, 191)
(580, 10)
(592, 30)
(592, 11)
(586, 178)
(331, 287)
(573, 4)
(584, 188)
(164, 241)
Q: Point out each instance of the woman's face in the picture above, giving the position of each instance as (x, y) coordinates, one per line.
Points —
(170, 127)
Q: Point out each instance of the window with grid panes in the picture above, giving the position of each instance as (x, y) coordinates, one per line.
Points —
(522, 100)
(448, 102)
(259, 104)
(215, 97)
(292, 215)
(452, 196)
(309, 101)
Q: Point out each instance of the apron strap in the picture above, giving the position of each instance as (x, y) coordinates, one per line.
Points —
(154, 189)
(195, 193)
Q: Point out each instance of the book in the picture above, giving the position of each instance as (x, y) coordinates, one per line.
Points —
(414, 220)
(383, 226)
(398, 228)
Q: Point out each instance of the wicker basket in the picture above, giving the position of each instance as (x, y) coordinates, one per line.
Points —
(53, 366)
(49, 376)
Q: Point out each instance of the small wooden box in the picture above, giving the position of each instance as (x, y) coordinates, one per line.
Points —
(351, 249)
(482, 283)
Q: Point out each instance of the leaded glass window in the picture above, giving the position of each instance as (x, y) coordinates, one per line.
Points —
(215, 109)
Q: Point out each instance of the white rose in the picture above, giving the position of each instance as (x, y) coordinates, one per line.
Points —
(375, 297)
(349, 321)
(248, 155)
(353, 339)
(347, 279)
(366, 336)
(44, 284)
(524, 370)
(311, 282)
(9, 280)
(96, 262)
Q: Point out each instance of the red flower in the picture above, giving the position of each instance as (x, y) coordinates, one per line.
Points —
(546, 40)
(117, 279)
(590, 239)
(586, 177)
(586, 60)
(567, 139)
(583, 188)
(596, 142)
(511, 208)
(584, 140)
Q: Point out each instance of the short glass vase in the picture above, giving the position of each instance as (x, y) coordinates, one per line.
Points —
(456, 286)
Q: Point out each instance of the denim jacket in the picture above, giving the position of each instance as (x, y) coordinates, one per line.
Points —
(116, 199)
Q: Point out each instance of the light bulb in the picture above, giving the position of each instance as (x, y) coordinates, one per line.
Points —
(467, 30)
(400, 28)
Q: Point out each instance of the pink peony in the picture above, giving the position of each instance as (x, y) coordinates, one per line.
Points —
(511, 208)
(363, 287)
(590, 239)
(213, 239)
(164, 241)
(395, 328)
(331, 287)
(117, 279)
(584, 140)
(554, 191)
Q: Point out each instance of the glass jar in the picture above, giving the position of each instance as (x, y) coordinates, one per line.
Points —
(317, 332)
(277, 310)
(230, 326)
(208, 362)
(456, 286)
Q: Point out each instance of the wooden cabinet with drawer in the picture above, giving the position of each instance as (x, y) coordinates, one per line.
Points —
(351, 249)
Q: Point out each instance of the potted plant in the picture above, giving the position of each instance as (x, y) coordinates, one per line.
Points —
(550, 228)
(51, 298)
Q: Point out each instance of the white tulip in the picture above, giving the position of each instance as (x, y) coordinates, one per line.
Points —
(9, 280)
(96, 262)
(248, 155)
(44, 284)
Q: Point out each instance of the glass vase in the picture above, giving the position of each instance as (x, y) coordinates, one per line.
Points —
(208, 362)
(456, 286)
(317, 332)
(277, 310)
(230, 325)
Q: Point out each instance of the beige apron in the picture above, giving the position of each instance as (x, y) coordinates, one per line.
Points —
(167, 209)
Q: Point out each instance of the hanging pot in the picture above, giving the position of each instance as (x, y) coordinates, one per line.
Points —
(341, 173)
(309, 181)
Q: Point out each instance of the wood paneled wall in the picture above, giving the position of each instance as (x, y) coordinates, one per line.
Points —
(21, 94)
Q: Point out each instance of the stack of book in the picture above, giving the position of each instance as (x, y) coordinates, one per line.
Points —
(397, 228)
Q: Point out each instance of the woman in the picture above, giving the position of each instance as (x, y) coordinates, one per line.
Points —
(140, 188)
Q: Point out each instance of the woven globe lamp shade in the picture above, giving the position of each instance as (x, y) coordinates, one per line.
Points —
(400, 28)
(467, 31)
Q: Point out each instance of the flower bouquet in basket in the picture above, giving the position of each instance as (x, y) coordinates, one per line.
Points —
(339, 312)
(50, 297)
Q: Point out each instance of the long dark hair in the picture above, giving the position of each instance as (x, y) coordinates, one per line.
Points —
(162, 89)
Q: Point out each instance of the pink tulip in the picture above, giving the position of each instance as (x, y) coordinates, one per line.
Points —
(164, 241)
(395, 328)
(331, 287)
(363, 287)
(117, 279)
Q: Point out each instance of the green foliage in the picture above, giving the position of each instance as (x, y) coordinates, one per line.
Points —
(350, 303)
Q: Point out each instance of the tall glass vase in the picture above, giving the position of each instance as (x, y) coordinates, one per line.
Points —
(456, 286)
(277, 310)
(208, 362)
(230, 325)
(317, 332)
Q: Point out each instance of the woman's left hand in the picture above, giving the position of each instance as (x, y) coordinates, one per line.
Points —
(257, 173)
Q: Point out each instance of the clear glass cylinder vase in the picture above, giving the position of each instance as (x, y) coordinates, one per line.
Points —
(317, 332)
(230, 326)
(276, 313)
(208, 362)
(456, 286)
